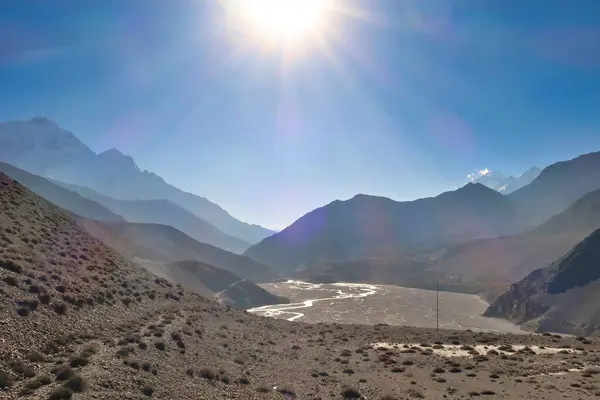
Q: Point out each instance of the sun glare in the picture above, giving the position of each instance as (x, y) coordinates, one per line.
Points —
(285, 22)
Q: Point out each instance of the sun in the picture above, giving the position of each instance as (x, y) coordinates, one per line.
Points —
(283, 22)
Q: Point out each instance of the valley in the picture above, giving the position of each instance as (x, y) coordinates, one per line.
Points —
(354, 303)
(143, 297)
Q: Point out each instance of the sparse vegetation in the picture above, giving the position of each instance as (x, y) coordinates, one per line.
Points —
(60, 393)
(76, 384)
(6, 380)
(349, 392)
(208, 373)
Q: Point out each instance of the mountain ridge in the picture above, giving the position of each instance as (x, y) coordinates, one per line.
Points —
(368, 225)
(60, 196)
(164, 212)
(504, 184)
(166, 244)
(469, 213)
(42, 147)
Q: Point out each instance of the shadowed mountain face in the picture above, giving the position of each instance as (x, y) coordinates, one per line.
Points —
(167, 244)
(59, 196)
(42, 147)
(563, 297)
(367, 226)
(164, 212)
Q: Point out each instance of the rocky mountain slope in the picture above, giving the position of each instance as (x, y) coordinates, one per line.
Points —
(167, 244)
(367, 226)
(164, 212)
(80, 322)
(42, 147)
(562, 297)
(61, 197)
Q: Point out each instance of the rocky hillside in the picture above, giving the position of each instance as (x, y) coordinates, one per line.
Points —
(164, 212)
(366, 226)
(167, 244)
(562, 297)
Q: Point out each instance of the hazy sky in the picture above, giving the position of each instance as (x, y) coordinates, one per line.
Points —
(400, 98)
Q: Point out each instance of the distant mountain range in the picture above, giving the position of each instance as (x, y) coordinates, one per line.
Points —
(60, 196)
(167, 244)
(502, 183)
(368, 227)
(163, 212)
(41, 147)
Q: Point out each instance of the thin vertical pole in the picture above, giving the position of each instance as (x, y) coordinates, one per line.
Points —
(437, 306)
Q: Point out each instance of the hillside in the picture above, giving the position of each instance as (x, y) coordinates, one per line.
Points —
(42, 147)
(367, 226)
(167, 244)
(211, 281)
(164, 212)
(562, 297)
(80, 322)
(59, 196)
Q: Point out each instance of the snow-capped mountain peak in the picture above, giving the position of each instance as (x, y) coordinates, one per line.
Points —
(502, 183)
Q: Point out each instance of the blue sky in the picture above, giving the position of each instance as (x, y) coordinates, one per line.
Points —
(409, 98)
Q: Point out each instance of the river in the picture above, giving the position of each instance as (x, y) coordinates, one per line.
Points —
(371, 304)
